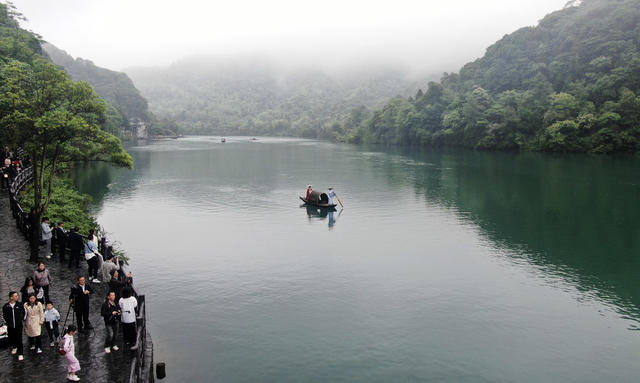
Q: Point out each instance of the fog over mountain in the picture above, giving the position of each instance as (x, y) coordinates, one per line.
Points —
(282, 67)
(250, 94)
(431, 36)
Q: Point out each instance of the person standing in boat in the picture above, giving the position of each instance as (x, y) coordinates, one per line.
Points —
(309, 189)
(333, 197)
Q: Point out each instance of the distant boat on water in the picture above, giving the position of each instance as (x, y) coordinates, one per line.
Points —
(223, 140)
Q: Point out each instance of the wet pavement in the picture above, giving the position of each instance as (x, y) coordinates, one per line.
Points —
(97, 366)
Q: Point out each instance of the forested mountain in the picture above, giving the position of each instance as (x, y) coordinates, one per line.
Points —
(125, 102)
(571, 83)
(255, 96)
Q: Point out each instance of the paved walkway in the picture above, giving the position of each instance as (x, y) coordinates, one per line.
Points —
(50, 366)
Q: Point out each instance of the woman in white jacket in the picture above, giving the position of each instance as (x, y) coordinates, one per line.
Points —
(128, 306)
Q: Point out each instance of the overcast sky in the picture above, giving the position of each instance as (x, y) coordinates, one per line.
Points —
(439, 34)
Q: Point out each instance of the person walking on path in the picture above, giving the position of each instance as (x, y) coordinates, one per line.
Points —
(111, 314)
(34, 319)
(79, 297)
(128, 306)
(42, 279)
(75, 245)
(69, 349)
(46, 237)
(61, 236)
(13, 315)
(28, 288)
(51, 320)
(91, 254)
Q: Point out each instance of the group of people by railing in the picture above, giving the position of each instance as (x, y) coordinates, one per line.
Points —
(122, 310)
(12, 164)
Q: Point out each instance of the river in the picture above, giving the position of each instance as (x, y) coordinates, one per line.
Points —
(443, 266)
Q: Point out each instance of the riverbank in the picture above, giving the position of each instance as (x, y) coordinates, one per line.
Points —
(97, 366)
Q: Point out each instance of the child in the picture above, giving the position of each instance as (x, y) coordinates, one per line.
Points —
(72, 362)
(51, 319)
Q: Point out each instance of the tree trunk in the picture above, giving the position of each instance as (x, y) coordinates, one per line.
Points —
(35, 236)
(34, 216)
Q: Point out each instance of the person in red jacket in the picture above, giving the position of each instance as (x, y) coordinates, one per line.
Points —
(308, 191)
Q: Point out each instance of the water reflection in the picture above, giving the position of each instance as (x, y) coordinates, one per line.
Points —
(461, 251)
(576, 216)
(317, 212)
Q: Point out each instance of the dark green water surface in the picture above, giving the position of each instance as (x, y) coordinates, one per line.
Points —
(444, 266)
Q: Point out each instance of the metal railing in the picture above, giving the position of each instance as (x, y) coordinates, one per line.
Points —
(137, 372)
(24, 178)
(138, 358)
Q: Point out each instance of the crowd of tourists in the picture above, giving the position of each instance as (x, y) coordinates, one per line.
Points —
(11, 166)
(30, 308)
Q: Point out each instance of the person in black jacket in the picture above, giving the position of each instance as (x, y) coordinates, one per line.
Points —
(13, 315)
(76, 245)
(61, 239)
(79, 297)
(28, 288)
(116, 284)
(110, 311)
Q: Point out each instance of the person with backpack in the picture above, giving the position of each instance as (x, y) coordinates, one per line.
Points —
(68, 349)
(93, 258)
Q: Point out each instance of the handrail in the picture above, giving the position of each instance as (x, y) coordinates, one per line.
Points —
(20, 182)
(137, 361)
(24, 178)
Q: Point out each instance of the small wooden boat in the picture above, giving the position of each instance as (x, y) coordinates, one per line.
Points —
(318, 199)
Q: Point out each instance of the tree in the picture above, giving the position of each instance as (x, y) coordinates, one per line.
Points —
(56, 121)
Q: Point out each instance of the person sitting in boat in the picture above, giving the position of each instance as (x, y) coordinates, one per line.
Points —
(308, 191)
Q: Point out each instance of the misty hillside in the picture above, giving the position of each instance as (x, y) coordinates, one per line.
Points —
(114, 87)
(254, 96)
(572, 83)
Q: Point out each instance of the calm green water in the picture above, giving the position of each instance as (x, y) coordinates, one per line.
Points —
(443, 266)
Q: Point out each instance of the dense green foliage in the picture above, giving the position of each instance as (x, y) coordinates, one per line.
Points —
(255, 97)
(114, 87)
(55, 120)
(67, 205)
(570, 84)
